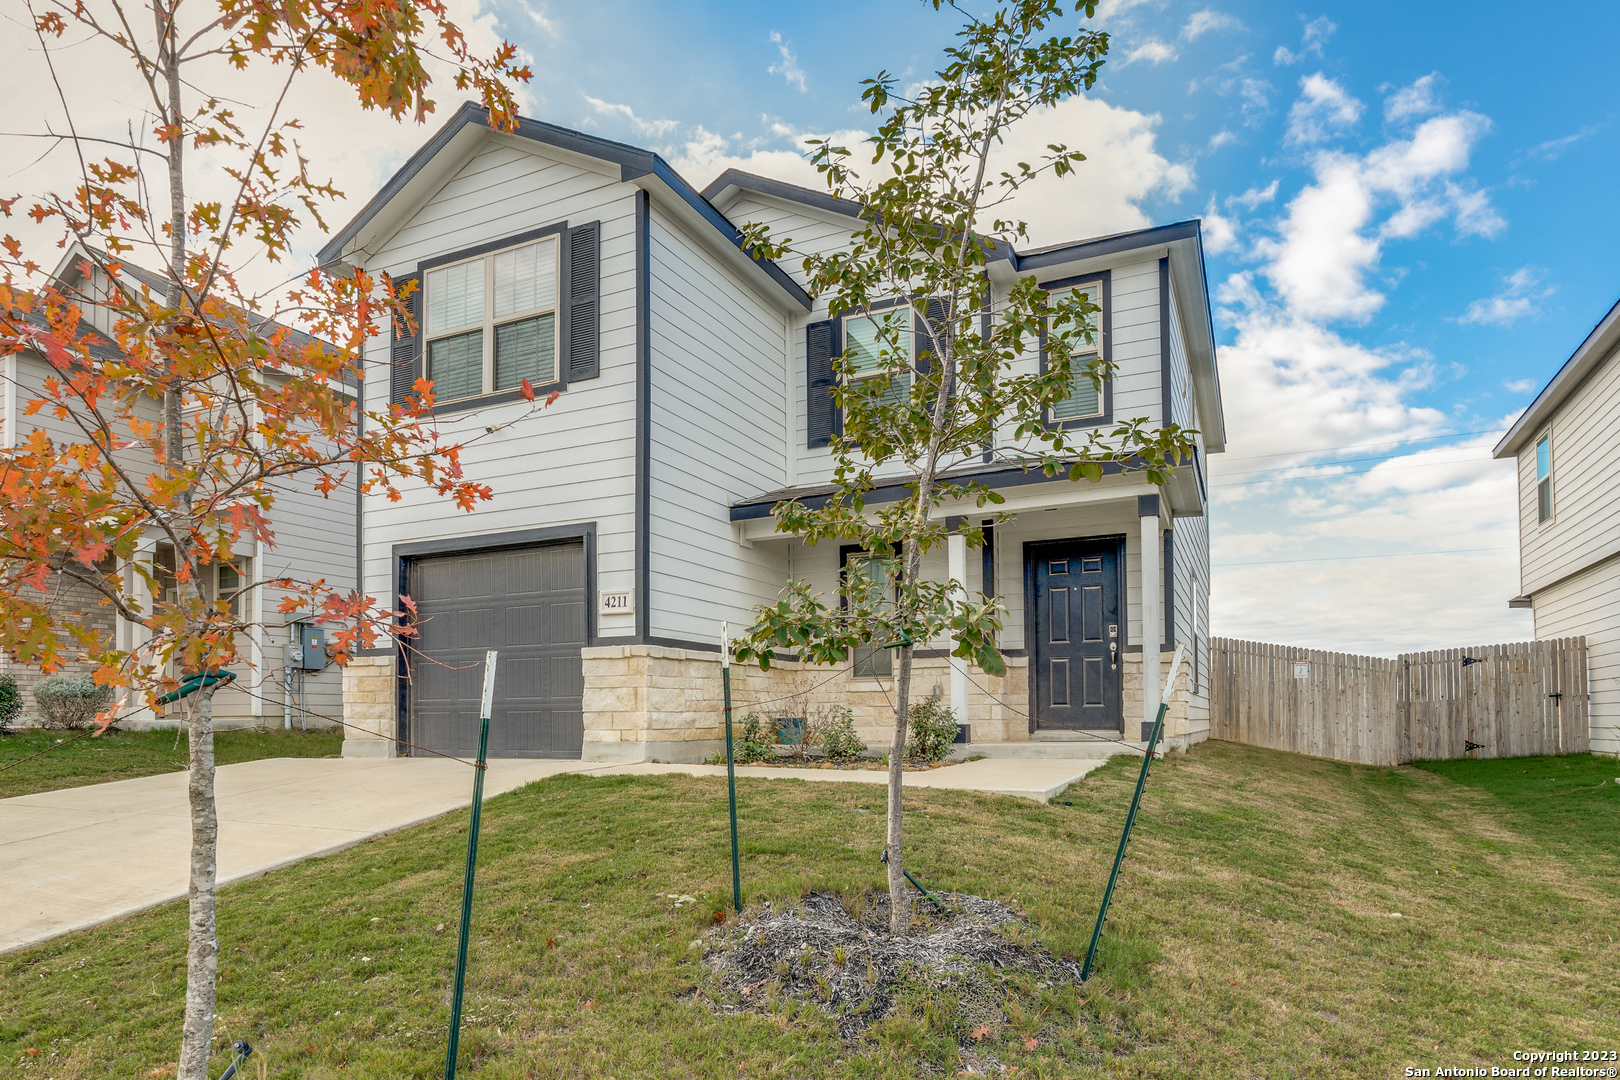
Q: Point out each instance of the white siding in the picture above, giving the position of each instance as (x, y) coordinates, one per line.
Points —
(717, 425)
(1589, 606)
(1586, 484)
(572, 463)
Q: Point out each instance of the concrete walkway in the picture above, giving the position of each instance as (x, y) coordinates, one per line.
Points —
(79, 857)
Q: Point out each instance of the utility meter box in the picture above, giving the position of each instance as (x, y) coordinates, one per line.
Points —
(307, 649)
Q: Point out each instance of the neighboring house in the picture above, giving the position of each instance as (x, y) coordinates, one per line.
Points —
(315, 537)
(632, 517)
(1568, 448)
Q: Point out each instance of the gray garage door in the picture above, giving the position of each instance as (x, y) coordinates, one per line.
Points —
(529, 603)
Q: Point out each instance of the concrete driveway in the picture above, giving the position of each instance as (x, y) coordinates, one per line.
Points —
(83, 856)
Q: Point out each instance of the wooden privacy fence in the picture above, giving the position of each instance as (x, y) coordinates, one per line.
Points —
(1489, 701)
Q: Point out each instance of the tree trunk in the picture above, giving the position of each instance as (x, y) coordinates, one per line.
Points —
(899, 898)
(202, 945)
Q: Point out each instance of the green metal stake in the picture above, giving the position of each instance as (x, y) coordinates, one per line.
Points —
(1130, 816)
(472, 865)
(731, 765)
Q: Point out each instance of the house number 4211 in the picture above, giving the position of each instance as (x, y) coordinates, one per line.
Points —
(617, 603)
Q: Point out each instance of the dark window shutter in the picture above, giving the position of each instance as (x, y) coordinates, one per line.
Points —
(584, 291)
(402, 349)
(935, 317)
(821, 411)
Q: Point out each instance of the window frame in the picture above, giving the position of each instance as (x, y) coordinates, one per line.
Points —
(490, 325)
(1103, 281)
(881, 308)
(242, 565)
(847, 553)
(564, 299)
(1544, 484)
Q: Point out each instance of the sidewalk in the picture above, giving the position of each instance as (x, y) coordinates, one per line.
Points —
(79, 857)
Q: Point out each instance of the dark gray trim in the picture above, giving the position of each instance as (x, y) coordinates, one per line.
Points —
(643, 511)
(987, 570)
(1147, 506)
(1169, 590)
(633, 163)
(690, 196)
(1109, 245)
(994, 478)
(403, 554)
(763, 185)
(1105, 332)
(1166, 405)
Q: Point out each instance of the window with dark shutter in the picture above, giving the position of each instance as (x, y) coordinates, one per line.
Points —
(402, 350)
(584, 286)
(821, 411)
(935, 321)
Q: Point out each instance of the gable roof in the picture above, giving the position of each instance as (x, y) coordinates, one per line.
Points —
(1182, 240)
(1581, 363)
(636, 166)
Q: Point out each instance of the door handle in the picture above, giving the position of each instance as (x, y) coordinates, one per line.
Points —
(1113, 654)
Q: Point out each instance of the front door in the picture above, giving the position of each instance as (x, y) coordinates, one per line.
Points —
(1078, 634)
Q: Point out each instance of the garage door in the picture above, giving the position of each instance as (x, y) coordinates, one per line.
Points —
(529, 603)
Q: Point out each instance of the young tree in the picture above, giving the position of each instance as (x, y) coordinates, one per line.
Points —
(215, 399)
(933, 220)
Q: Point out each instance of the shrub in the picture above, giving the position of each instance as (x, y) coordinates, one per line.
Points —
(933, 729)
(758, 741)
(838, 738)
(70, 701)
(10, 699)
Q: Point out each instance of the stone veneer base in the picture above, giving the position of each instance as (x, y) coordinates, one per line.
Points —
(678, 751)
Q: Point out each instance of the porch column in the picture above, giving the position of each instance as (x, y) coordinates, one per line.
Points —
(1147, 508)
(956, 559)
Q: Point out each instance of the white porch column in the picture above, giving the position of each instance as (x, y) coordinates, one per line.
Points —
(956, 558)
(1147, 508)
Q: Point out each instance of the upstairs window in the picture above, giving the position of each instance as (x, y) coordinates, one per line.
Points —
(492, 321)
(870, 345)
(1085, 400)
(1544, 478)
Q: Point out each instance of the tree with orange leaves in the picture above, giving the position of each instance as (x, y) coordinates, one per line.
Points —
(189, 407)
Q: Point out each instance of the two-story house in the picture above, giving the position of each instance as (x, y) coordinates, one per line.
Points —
(633, 517)
(1567, 444)
(314, 538)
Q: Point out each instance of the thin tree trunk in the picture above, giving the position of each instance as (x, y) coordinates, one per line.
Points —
(202, 952)
(899, 897)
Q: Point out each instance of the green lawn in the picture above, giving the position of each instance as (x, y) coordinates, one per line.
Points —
(1254, 934)
(121, 755)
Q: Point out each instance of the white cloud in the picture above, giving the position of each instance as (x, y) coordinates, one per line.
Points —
(1324, 109)
(541, 19)
(1220, 233)
(1153, 51)
(1418, 99)
(1208, 21)
(1519, 386)
(788, 67)
(1254, 198)
(1219, 139)
(1553, 149)
(1315, 34)
(654, 128)
(1256, 94)
(1519, 296)
(1330, 238)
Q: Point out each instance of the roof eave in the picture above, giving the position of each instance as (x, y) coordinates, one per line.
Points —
(1603, 339)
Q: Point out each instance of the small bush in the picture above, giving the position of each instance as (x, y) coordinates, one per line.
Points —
(10, 699)
(70, 701)
(838, 738)
(758, 741)
(932, 729)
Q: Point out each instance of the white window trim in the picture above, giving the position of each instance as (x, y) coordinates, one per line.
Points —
(1535, 454)
(875, 315)
(430, 335)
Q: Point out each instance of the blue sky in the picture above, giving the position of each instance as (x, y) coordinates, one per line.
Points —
(1405, 208)
(1405, 212)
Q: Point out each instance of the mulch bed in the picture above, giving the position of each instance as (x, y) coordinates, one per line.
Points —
(850, 967)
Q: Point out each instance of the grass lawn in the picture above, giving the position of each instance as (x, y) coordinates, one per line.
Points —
(125, 754)
(1254, 934)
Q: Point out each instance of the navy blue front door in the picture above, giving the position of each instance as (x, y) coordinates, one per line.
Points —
(1078, 633)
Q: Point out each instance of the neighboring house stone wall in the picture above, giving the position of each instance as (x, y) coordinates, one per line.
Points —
(72, 601)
